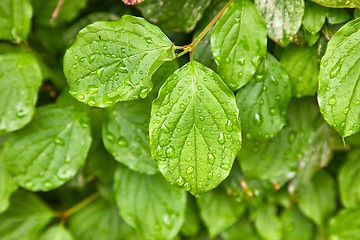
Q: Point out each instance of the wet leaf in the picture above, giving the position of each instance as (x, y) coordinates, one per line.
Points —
(339, 3)
(56, 232)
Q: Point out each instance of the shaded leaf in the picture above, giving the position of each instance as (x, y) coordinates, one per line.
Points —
(114, 61)
(194, 129)
(339, 3)
(336, 16)
(339, 88)
(238, 42)
(56, 232)
(7, 187)
(241, 230)
(192, 221)
(345, 225)
(267, 223)
(296, 226)
(50, 150)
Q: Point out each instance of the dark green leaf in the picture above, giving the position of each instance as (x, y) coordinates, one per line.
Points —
(242, 230)
(126, 135)
(219, 211)
(56, 232)
(7, 187)
(339, 88)
(345, 225)
(194, 129)
(314, 17)
(238, 42)
(317, 199)
(25, 217)
(349, 180)
(155, 209)
(102, 164)
(192, 221)
(301, 63)
(267, 223)
(339, 3)
(50, 150)
(174, 16)
(15, 19)
(336, 16)
(296, 226)
(263, 102)
(114, 61)
(20, 78)
(159, 77)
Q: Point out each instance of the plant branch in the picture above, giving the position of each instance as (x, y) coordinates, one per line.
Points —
(55, 14)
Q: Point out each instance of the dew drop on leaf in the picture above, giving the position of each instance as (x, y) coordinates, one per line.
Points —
(229, 125)
(241, 61)
(258, 119)
(170, 151)
(189, 170)
(225, 166)
(211, 158)
(202, 118)
(149, 40)
(93, 89)
(273, 111)
(187, 186)
(332, 100)
(92, 58)
(122, 68)
(336, 69)
(143, 93)
(221, 138)
(210, 175)
(180, 181)
(110, 137)
(99, 72)
(122, 142)
(59, 141)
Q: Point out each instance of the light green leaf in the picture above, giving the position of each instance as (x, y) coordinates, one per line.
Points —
(15, 19)
(264, 101)
(339, 88)
(20, 79)
(114, 61)
(339, 3)
(99, 220)
(301, 63)
(283, 18)
(50, 150)
(43, 11)
(238, 42)
(219, 211)
(314, 17)
(126, 135)
(267, 223)
(156, 209)
(7, 187)
(241, 230)
(345, 225)
(174, 16)
(349, 180)
(194, 129)
(25, 217)
(296, 226)
(317, 199)
(56, 232)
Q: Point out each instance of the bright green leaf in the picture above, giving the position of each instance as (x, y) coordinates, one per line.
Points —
(283, 18)
(174, 16)
(114, 61)
(15, 19)
(7, 187)
(49, 151)
(56, 232)
(345, 225)
(296, 226)
(238, 42)
(339, 88)
(263, 102)
(349, 180)
(219, 211)
(301, 63)
(99, 220)
(126, 135)
(25, 217)
(155, 209)
(241, 230)
(317, 199)
(339, 3)
(194, 129)
(267, 223)
(20, 78)
(314, 17)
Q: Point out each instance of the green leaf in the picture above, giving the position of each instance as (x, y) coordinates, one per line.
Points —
(349, 179)
(126, 135)
(317, 199)
(238, 42)
(25, 217)
(159, 77)
(264, 101)
(114, 61)
(336, 16)
(296, 226)
(156, 209)
(339, 3)
(241, 230)
(194, 129)
(7, 187)
(20, 78)
(283, 18)
(15, 19)
(267, 223)
(345, 225)
(314, 17)
(99, 220)
(219, 211)
(56, 232)
(192, 223)
(339, 88)
(301, 63)
(43, 11)
(174, 16)
(49, 150)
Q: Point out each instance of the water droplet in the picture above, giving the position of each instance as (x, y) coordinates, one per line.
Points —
(122, 142)
(325, 63)
(28, 184)
(273, 111)
(241, 61)
(143, 93)
(105, 48)
(182, 106)
(99, 72)
(292, 136)
(65, 174)
(180, 181)
(47, 185)
(221, 138)
(189, 143)
(258, 119)
(76, 57)
(346, 110)
(149, 40)
(229, 125)
(274, 81)
(202, 118)
(180, 88)
(259, 77)
(159, 150)
(92, 58)
(93, 89)
(225, 166)
(170, 151)
(199, 87)
(187, 186)
(189, 170)
(59, 141)
(336, 69)
(248, 136)
(91, 102)
(240, 74)
(164, 128)
(332, 100)
(211, 158)
(210, 175)
(122, 68)
(74, 66)
(110, 137)
(256, 61)
(123, 50)
(21, 110)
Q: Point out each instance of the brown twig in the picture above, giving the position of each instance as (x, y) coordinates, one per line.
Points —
(55, 14)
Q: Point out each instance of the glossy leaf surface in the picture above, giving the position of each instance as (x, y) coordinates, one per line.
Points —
(339, 3)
